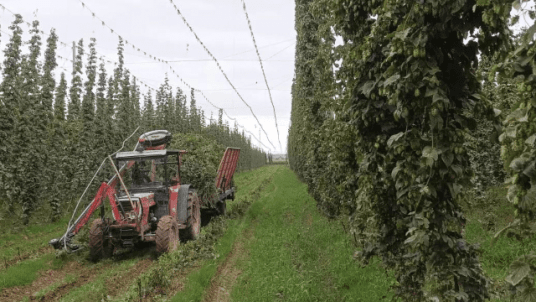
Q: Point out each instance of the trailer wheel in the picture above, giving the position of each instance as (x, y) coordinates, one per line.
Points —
(193, 223)
(99, 246)
(167, 235)
(221, 206)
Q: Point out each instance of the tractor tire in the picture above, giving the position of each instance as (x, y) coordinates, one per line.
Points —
(221, 207)
(99, 245)
(193, 222)
(167, 235)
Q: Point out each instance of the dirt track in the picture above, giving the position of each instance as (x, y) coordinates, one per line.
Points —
(227, 273)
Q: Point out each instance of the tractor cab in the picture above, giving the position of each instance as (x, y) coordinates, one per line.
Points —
(149, 170)
(152, 175)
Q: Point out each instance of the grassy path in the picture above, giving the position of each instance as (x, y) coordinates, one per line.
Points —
(287, 251)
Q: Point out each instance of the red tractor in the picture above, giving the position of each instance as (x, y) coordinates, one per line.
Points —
(148, 201)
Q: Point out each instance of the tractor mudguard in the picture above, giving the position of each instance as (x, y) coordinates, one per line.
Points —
(182, 204)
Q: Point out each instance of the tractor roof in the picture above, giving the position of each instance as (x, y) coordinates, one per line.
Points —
(133, 155)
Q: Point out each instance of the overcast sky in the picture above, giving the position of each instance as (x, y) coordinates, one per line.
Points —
(157, 29)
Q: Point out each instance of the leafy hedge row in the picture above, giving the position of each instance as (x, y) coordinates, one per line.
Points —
(382, 125)
(54, 135)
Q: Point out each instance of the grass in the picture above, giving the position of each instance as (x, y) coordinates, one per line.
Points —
(42, 293)
(96, 290)
(29, 239)
(198, 281)
(484, 219)
(296, 254)
(25, 272)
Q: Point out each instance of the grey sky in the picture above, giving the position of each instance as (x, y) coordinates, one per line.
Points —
(156, 28)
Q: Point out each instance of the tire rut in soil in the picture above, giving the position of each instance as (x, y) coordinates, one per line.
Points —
(45, 279)
(64, 289)
(227, 273)
(118, 283)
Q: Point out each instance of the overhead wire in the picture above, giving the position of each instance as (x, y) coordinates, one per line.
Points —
(145, 53)
(275, 54)
(207, 60)
(263, 72)
(161, 60)
(264, 46)
(64, 44)
(231, 118)
(106, 59)
(224, 59)
(219, 67)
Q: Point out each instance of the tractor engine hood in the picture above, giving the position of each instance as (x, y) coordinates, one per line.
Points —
(141, 202)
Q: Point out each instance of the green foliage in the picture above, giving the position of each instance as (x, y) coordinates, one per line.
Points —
(59, 101)
(393, 126)
(148, 121)
(124, 110)
(519, 155)
(200, 164)
(295, 254)
(31, 129)
(47, 159)
(482, 144)
(180, 116)
(48, 83)
(87, 136)
(76, 84)
(103, 120)
(10, 88)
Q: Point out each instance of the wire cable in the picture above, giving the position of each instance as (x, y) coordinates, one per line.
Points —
(231, 118)
(64, 44)
(219, 67)
(145, 53)
(262, 68)
(159, 59)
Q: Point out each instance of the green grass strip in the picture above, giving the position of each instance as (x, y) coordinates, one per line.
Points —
(25, 272)
(298, 255)
(199, 280)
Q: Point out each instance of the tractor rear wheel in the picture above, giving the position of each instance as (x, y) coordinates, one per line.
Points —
(99, 245)
(167, 235)
(193, 222)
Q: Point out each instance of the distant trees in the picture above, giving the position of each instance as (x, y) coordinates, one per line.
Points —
(54, 135)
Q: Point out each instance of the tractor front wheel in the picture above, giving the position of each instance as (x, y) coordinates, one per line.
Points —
(193, 223)
(167, 235)
(99, 245)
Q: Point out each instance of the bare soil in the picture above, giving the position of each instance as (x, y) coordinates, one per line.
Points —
(225, 278)
(118, 284)
(46, 279)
